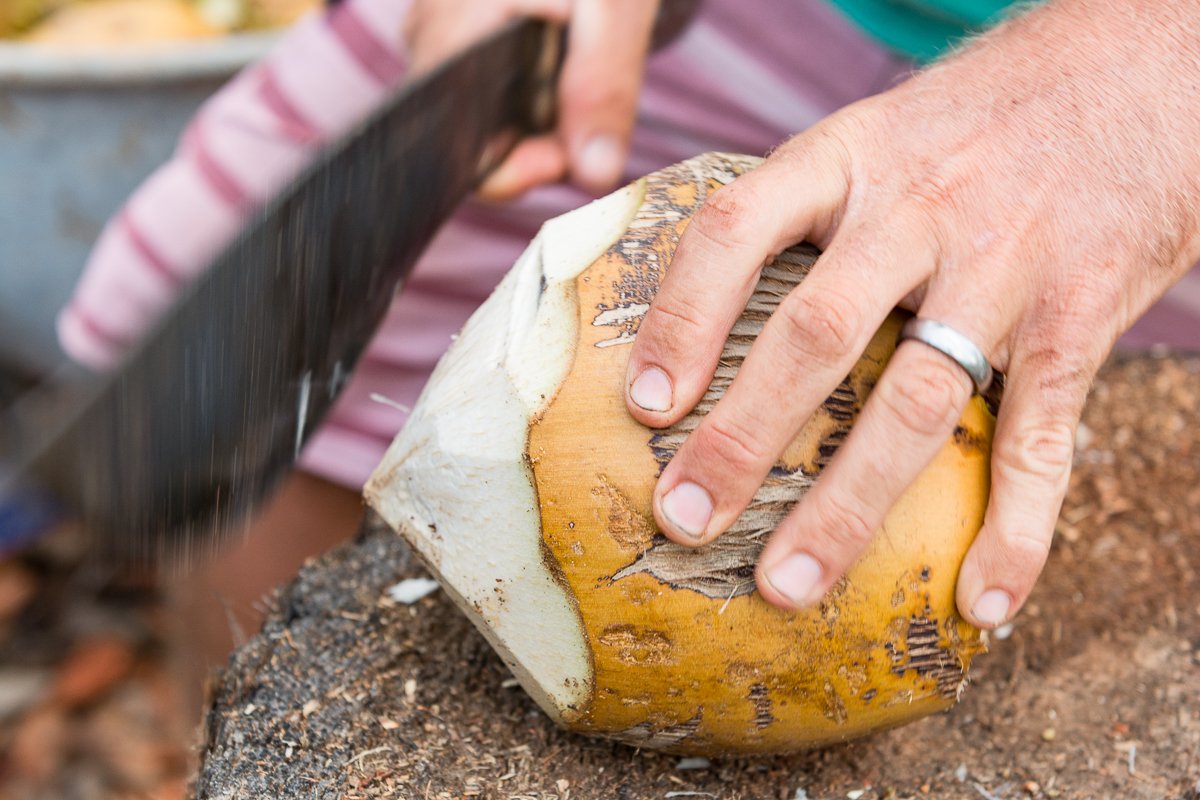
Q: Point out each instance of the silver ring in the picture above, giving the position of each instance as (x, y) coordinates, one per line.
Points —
(959, 348)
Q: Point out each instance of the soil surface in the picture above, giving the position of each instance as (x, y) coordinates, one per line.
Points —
(89, 705)
(1094, 692)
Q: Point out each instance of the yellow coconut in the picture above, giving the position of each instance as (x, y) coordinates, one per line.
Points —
(525, 485)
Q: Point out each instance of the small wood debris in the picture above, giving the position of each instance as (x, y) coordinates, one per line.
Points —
(364, 754)
(93, 668)
(411, 590)
(987, 795)
(1130, 751)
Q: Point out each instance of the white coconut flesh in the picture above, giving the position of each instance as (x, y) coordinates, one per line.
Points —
(457, 481)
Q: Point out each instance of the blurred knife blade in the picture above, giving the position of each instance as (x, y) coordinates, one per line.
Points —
(205, 417)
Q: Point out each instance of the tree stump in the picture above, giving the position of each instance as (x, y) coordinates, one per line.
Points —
(1094, 690)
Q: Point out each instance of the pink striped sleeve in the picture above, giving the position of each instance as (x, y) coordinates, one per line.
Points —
(251, 137)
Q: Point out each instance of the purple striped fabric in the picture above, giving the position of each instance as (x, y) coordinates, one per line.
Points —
(746, 74)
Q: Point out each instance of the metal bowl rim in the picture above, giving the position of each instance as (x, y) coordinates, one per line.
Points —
(32, 65)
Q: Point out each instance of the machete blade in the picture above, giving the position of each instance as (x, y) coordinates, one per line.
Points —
(205, 417)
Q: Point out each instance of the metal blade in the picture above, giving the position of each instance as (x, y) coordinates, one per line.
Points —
(207, 415)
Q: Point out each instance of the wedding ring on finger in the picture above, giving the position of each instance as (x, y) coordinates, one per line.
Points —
(956, 346)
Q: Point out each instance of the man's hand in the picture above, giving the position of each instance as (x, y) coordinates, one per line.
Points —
(1036, 192)
(598, 90)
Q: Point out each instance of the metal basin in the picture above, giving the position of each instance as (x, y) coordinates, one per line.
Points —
(78, 131)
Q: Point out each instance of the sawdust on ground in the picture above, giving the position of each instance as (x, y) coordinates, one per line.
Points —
(1094, 693)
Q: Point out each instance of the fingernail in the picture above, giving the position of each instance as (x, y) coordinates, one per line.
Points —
(689, 508)
(600, 161)
(652, 390)
(991, 609)
(795, 577)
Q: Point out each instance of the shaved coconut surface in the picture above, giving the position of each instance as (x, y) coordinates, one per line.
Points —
(456, 482)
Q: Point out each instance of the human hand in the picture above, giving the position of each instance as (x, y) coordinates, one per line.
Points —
(1036, 191)
(598, 88)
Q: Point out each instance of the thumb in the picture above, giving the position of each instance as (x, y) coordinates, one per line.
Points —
(598, 91)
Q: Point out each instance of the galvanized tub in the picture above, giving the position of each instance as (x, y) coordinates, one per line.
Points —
(78, 131)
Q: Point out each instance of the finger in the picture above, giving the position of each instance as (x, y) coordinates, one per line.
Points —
(598, 91)
(913, 409)
(1031, 462)
(790, 197)
(535, 161)
(807, 347)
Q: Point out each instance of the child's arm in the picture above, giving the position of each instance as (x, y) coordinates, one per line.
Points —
(250, 138)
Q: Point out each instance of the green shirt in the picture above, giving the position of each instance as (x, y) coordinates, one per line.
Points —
(922, 29)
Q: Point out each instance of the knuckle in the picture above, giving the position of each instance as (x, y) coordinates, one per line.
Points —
(841, 521)
(924, 399)
(1059, 364)
(1017, 553)
(600, 97)
(727, 441)
(727, 217)
(675, 315)
(936, 190)
(1042, 450)
(823, 328)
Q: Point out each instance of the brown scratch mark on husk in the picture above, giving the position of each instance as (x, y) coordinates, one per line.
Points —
(833, 706)
(970, 441)
(628, 528)
(638, 646)
(651, 736)
(926, 653)
(760, 697)
(743, 671)
(855, 677)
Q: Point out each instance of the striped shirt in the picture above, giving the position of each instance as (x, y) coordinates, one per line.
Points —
(745, 75)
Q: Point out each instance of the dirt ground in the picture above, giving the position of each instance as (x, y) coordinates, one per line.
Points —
(89, 708)
(1094, 692)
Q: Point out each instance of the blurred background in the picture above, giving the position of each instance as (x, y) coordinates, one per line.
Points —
(97, 697)
(93, 95)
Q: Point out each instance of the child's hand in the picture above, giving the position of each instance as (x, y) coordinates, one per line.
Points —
(601, 78)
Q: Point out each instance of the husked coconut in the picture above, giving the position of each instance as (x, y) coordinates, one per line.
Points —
(525, 485)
